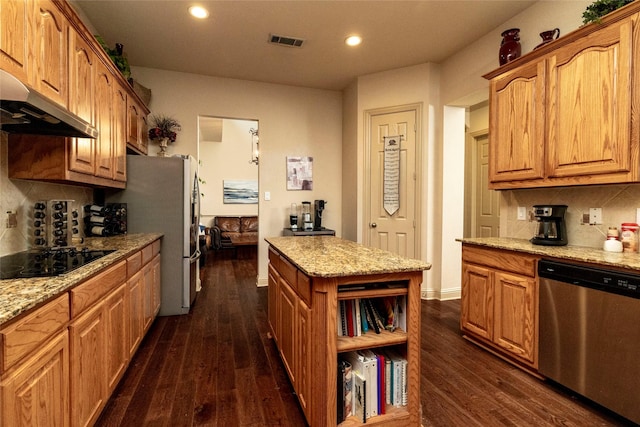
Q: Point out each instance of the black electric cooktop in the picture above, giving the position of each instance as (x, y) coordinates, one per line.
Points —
(47, 262)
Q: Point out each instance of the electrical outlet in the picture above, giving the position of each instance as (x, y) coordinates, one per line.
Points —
(522, 213)
(12, 219)
(595, 216)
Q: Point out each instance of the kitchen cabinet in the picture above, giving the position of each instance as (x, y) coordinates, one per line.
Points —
(303, 320)
(499, 302)
(73, 70)
(34, 380)
(562, 114)
(138, 137)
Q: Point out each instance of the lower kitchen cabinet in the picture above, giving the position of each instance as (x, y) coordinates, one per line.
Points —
(499, 302)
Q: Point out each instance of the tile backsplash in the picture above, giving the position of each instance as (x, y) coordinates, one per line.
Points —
(20, 195)
(618, 202)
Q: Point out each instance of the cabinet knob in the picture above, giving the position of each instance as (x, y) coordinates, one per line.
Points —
(374, 225)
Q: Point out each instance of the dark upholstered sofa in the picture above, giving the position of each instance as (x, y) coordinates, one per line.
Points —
(226, 226)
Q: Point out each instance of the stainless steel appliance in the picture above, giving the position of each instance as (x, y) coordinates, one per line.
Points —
(306, 216)
(23, 110)
(552, 230)
(47, 262)
(162, 196)
(589, 333)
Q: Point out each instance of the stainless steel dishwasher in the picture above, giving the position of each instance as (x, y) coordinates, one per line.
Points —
(590, 333)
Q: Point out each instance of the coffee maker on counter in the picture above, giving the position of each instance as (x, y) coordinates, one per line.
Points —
(307, 224)
(552, 230)
(318, 206)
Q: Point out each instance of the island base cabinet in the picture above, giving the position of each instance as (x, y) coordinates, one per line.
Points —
(37, 391)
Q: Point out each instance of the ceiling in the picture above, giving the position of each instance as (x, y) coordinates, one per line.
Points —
(233, 41)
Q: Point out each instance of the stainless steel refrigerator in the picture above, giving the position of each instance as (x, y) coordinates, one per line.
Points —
(162, 196)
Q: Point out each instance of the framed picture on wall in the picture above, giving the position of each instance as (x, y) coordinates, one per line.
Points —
(299, 173)
(237, 191)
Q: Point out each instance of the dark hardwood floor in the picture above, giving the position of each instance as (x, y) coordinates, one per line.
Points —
(217, 367)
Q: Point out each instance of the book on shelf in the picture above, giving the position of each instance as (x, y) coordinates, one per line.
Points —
(349, 315)
(398, 378)
(364, 366)
(344, 391)
(359, 397)
(363, 317)
(382, 391)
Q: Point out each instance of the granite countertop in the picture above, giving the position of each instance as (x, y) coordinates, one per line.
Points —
(329, 256)
(20, 295)
(574, 253)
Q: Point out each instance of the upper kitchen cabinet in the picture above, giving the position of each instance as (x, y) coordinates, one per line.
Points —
(137, 138)
(562, 115)
(14, 44)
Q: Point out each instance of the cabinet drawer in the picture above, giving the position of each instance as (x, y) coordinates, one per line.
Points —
(147, 254)
(274, 259)
(134, 262)
(156, 247)
(88, 293)
(515, 262)
(32, 331)
(289, 272)
(304, 287)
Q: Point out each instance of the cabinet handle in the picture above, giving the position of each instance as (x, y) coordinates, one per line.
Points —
(374, 225)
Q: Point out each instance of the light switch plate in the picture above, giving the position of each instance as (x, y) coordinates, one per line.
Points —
(595, 216)
(522, 213)
(267, 195)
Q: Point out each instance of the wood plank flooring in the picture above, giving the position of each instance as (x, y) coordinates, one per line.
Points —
(217, 367)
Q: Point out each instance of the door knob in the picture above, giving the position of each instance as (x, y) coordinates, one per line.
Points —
(374, 225)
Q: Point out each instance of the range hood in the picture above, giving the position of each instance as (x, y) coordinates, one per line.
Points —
(23, 110)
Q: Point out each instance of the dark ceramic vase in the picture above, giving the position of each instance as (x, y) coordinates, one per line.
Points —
(510, 48)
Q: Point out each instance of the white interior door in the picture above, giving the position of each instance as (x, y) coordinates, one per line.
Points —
(395, 232)
(487, 202)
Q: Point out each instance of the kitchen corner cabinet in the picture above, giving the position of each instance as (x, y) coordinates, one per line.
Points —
(499, 302)
(564, 114)
(45, 45)
(137, 137)
(303, 317)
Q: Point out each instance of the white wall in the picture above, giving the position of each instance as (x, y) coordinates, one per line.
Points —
(293, 122)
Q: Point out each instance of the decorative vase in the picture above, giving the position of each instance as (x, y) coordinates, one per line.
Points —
(163, 147)
(510, 48)
(549, 36)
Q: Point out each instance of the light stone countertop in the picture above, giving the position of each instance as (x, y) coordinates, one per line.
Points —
(20, 295)
(570, 253)
(329, 256)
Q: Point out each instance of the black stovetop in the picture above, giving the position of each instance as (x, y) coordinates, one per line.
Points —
(47, 262)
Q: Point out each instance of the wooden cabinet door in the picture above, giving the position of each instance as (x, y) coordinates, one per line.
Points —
(119, 134)
(104, 142)
(81, 101)
(136, 310)
(476, 312)
(516, 124)
(288, 307)
(303, 365)
(157, 285)
(37, 392)
(117, 336)
(273, 295)
(515, 315)
(147, 304)
(589, 108)
(14, 37)
(49, 52)
(133, 124)
(88, 377)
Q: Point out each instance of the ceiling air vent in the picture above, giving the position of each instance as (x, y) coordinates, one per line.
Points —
(285, 41)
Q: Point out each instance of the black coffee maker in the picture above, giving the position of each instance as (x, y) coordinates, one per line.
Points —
(317, 217)
(552, 230)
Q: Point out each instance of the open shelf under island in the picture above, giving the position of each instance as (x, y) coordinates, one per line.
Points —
(307, 278)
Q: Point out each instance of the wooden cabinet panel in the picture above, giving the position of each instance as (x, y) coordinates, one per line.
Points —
(514, 329)
(148, 290)
(88, 377)
(117, 336)
(517, 103)
(136, 311)
(29, 333)
(119, 134)
(91, 291)
(104, 141)
(14, 40)
(303, 362)
(37, 392)
(273, 296)
(288, 328)
(476, 313)
(589, 105)
(48, 58)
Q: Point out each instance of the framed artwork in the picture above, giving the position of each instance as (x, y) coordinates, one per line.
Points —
(240, 191)
(299, 173)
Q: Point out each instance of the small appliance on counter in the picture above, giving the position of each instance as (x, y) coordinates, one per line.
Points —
(307, 224)
(552, 230)
(293, 216)
(318, 206)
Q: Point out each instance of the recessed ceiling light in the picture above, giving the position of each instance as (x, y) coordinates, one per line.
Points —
(199, 12)
(353, 40)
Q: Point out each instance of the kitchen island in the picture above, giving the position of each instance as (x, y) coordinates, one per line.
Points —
(308, 276)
